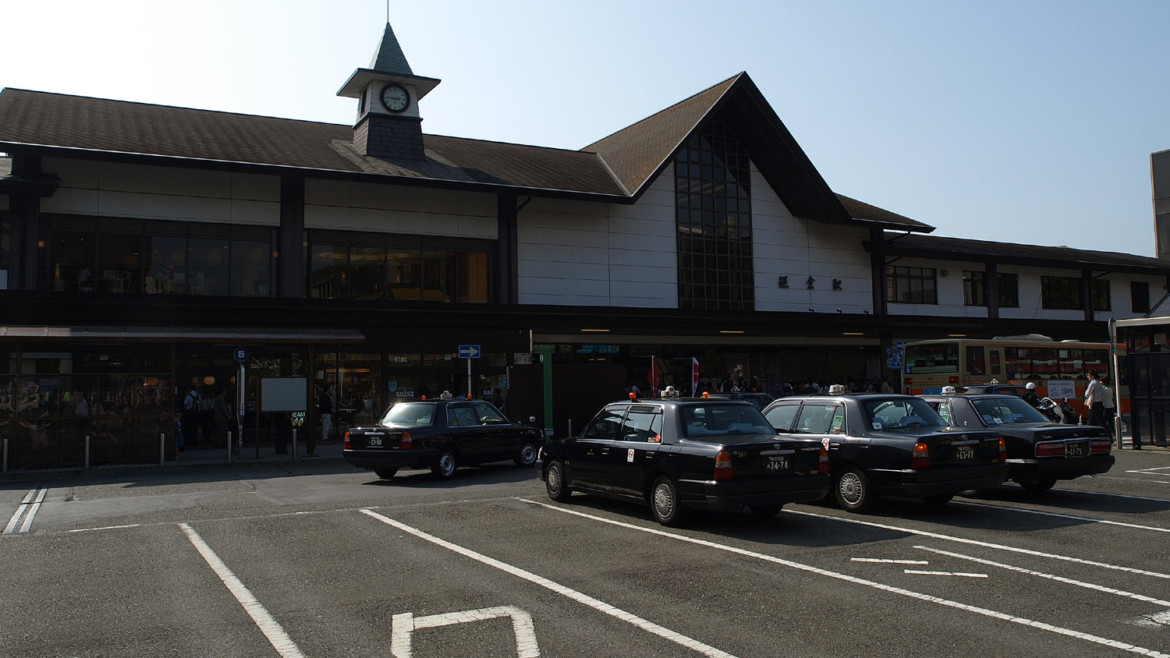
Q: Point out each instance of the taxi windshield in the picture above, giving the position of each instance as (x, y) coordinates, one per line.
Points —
(901, 414)
(704, 420)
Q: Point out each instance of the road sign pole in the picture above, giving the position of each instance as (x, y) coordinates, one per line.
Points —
(469, 377)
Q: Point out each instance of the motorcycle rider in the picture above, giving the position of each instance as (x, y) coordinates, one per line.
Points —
(1030, 396)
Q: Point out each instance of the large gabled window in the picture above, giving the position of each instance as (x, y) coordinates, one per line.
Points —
(714, 222)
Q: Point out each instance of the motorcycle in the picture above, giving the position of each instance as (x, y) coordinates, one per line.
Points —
(1061, 412)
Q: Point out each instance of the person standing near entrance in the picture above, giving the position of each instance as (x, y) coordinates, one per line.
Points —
(223, 418)
(1095, 400)
(325, 410)
(190, 419)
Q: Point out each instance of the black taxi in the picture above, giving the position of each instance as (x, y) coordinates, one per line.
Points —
(678, 454)
(891, 444)
(441, 435)
(1039, 451)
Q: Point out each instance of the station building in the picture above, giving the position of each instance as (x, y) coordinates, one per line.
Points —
(143, 247)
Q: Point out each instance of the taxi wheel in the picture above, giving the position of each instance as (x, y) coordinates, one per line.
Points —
(386, 472)
(765, 511)
(446, 464)
(664, 502)
(554, 483)
(1037, 486)
(527, 456)
(852, 490)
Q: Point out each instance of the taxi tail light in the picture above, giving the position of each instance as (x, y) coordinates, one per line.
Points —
(406, 442)
(723, 468)
(823, 464)
(1002, 450)
(345, 445)
(921, 458)
(1100, 446)
(1050, 449)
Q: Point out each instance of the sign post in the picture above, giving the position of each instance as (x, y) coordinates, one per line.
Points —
(469, 352)
(240, 355)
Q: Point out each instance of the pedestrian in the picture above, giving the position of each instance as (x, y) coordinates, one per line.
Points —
(223, 417)
(325, 410)
(1108, 406)
(190, 419)
(1095, 400)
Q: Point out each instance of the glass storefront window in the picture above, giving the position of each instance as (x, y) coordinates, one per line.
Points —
(4, 252)
(327, 271)
(404, 272)
(367, 273)
(437, 276)
(251, 269)
(474, 277)
(157, 258)
(208, 266)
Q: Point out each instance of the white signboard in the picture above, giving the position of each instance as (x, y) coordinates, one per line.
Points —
(1059, 389)
(284, 394)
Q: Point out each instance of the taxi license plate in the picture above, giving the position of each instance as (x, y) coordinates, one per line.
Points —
(777, 463)
(1077, 449)
(964, 453)
(374, 442)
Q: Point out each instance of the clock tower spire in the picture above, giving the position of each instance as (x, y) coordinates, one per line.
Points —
(388, 123)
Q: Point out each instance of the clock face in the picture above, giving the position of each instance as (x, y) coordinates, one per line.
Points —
(395, 98)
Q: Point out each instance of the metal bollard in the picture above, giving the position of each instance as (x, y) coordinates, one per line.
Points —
(87, 440)
(294, 446)
(162, 448)
(229, 448)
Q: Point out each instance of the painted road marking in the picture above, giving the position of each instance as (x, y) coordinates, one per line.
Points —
(1049, 576)
(1032, 623)
(405, 624)
(959, 574)
(585, 599)
(27, 509)
(884, 561)
(1057, 515)
(973, 542)
(1158, 620)
(272, 630)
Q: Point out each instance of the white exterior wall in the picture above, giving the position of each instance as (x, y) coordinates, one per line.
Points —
(950, 293)
(799, 248)
(368, 207)
(577, 253)
(104, 189)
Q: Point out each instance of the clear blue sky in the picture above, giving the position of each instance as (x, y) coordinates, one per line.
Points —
(1006, 120)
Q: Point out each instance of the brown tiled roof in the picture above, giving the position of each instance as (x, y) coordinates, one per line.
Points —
(635, 153)
(29, 118)
(931, 246)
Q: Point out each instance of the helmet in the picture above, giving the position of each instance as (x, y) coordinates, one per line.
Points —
(1031, 386)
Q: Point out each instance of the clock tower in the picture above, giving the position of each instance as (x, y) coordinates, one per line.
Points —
(388, 122)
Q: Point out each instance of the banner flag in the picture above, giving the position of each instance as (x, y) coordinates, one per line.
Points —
(694, 376)
(652, 377)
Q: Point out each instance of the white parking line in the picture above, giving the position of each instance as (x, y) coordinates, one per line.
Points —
(973, 542)
(585, 599)
(959, 574)
(1040, 574)
(272, 630)
(885, 561)
(1083, 519)
(1095, 639)
(1142, 480)
(27, 509)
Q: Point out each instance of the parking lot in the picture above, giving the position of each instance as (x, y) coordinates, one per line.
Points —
(316, 558)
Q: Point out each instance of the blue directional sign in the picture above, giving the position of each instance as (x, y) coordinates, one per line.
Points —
(469, 351)
(240, 354)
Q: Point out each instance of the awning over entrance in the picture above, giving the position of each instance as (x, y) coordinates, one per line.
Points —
(184, 334)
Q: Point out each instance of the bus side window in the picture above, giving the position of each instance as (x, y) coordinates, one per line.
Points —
(975, 364)
(995, 361)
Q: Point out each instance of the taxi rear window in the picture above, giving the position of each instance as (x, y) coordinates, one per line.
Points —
(716, 420)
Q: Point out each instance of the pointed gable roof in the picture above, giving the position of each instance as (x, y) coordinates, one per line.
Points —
(640, 152)
(389, 57)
